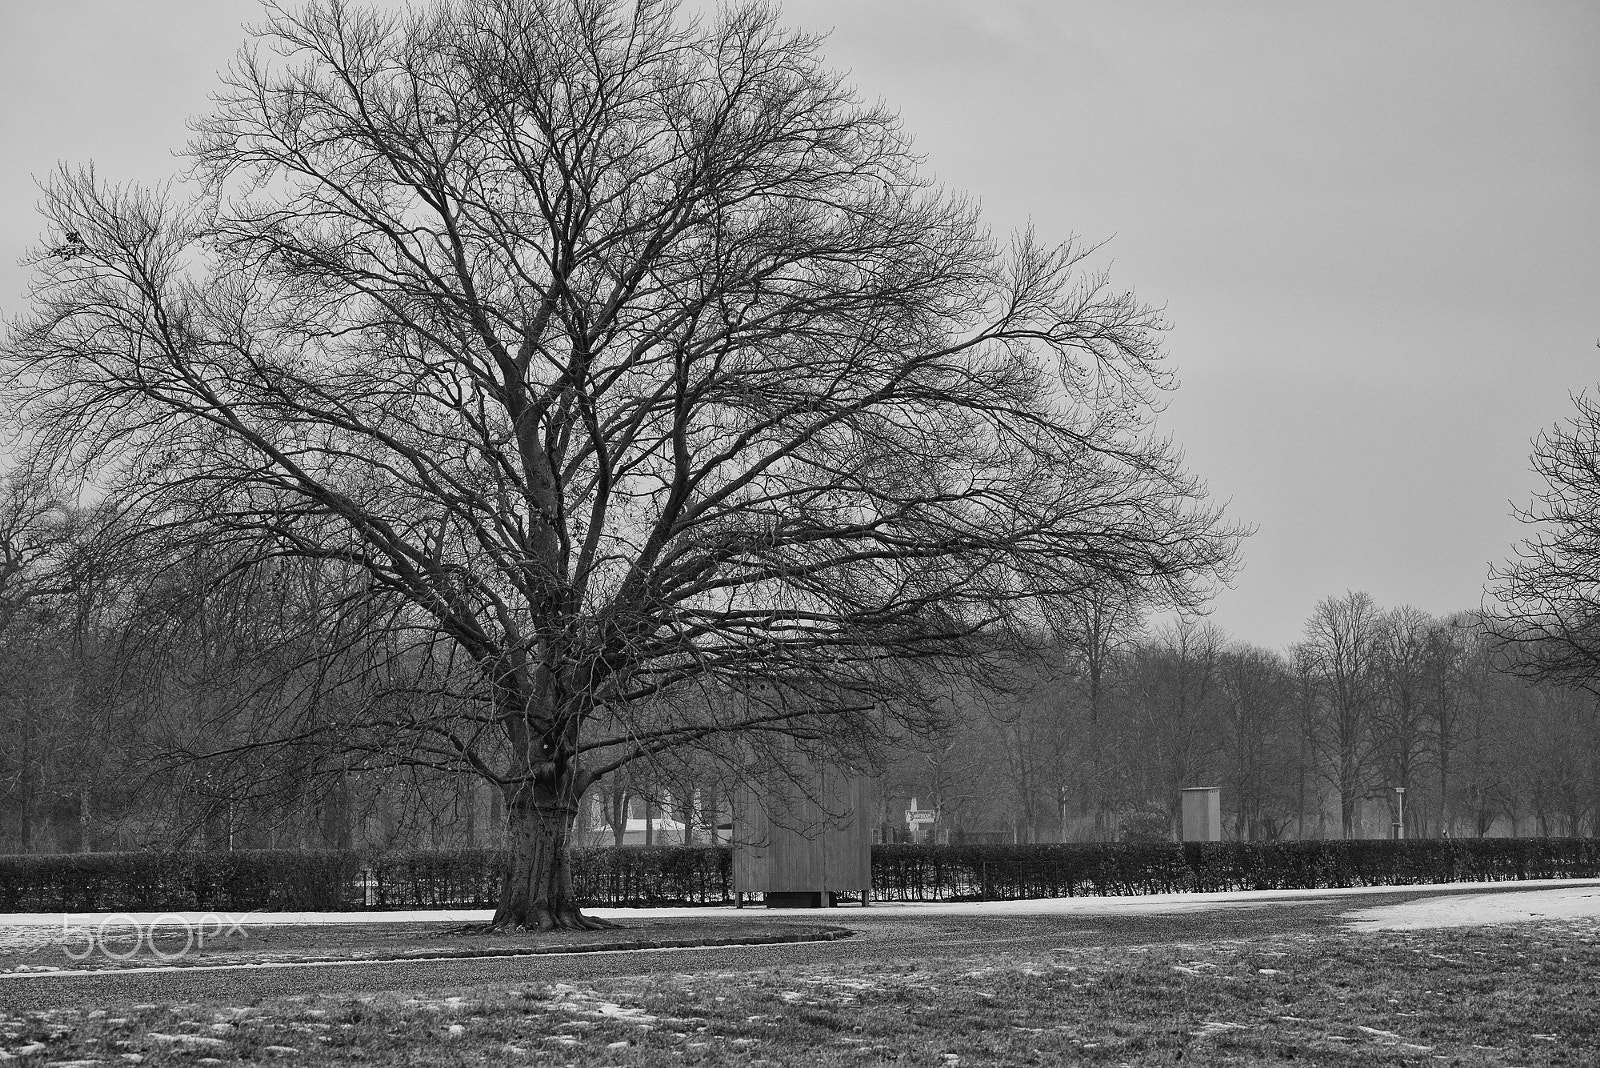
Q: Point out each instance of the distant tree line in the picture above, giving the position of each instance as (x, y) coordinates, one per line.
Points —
(1094, 742)
(131, 689)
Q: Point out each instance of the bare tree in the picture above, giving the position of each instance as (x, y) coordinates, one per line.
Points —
(951, 767)
(1172, 681)
(36, 717)
(630, 371)
(1549, 752)
(616, 796)
(1310, 762)
(63, 718)
(1547, 597)
(30, 683)
(1341, 646)
(1099, 625)
(37, 536)
(1024, 732)
(1256, 706)
(1545, 606)
(1463, 659)
(1482, 779)
(1400, 720)
(1447, 657)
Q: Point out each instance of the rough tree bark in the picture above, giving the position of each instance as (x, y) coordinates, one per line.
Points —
(541, 805)
(536, 893)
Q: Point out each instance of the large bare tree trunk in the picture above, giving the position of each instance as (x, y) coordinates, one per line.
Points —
(536, 888)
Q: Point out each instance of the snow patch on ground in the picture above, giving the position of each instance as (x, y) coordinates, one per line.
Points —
(1478, 910)
(563, 997)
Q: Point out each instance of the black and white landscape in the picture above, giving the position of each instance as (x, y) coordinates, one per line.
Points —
(604, 532)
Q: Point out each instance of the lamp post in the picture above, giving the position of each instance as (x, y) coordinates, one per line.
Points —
(1400, 814)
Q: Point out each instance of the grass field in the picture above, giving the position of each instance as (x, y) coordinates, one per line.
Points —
(1509, 995)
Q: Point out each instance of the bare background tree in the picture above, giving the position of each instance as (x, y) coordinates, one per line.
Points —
(1341, 649)
(1401, 716)
(1172, 684)
(1256, 702)
(1547, 597)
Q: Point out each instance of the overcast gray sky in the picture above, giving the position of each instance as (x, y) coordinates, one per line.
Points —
(1375, 226)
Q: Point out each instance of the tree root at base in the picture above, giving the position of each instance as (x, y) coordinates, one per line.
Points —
(539, 921)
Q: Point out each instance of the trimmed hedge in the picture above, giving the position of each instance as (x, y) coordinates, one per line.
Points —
(470, 878)
(933, 873)
(332, 880)
(269, 879)
(658, 875)
(335, 880)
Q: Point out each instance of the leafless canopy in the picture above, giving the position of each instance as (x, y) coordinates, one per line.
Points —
(625, 360)
(1548, 595)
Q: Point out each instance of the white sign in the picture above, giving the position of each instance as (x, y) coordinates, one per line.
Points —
(913, 816)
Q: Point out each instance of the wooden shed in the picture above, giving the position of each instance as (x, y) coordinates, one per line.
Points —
(804, 835)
